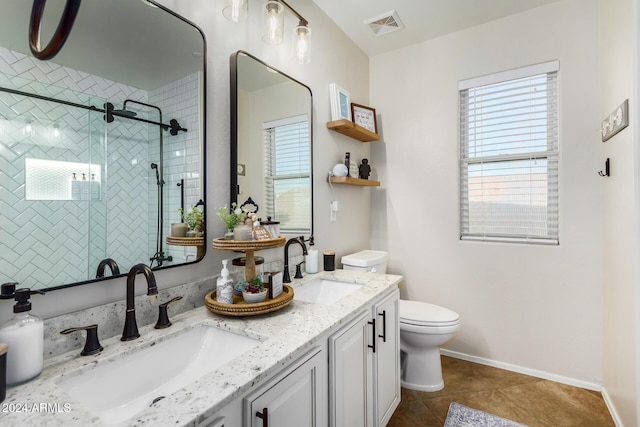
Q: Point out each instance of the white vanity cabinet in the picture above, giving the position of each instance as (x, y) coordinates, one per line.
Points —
(294, 398)
(350, 375)
(387, 358)
(364, 367)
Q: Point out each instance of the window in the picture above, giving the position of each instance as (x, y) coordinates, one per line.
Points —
(509, 156)
(288, 173)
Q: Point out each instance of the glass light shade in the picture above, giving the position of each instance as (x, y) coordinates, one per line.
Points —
(302, 44)
(272, 23)
(236, 10)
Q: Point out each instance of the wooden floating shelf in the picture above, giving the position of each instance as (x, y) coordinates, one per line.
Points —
(347, 127)
(347, 180)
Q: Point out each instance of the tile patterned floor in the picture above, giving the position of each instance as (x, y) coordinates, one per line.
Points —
(517, 397)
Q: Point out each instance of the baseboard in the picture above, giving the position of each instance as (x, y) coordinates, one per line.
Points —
(611, 407)
(522, 370)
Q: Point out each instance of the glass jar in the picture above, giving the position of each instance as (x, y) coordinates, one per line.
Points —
(237, 272)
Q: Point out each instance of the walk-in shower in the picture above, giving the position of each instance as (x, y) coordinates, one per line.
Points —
(159, 256)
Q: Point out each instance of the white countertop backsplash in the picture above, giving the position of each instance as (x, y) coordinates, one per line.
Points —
(286, 335)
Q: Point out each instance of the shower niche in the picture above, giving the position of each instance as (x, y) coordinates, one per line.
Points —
(101, 145)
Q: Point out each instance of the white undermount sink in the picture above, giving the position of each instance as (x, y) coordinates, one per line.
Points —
(323, 291)
(116, 390)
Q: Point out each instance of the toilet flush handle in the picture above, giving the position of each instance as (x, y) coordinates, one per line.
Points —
(373, 270)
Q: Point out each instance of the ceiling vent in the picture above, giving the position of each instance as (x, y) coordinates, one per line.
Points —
(385, 23)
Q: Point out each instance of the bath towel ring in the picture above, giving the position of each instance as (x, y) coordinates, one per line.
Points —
(62, 31)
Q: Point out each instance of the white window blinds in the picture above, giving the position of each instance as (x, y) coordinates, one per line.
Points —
(288, 173)
(509, 156)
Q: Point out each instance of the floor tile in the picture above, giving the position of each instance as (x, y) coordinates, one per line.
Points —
(517, 397)
(558, 405)
(413, 414)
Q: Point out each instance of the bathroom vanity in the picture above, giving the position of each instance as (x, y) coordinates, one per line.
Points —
(311, 363)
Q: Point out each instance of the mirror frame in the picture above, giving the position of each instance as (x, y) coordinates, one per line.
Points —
(233, 82)
(203, 173)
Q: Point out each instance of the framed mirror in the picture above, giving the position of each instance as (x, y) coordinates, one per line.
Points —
(101, 147)
(271, 144)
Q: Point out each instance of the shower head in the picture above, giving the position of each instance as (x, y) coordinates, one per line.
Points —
(125, 112)
(159, 182)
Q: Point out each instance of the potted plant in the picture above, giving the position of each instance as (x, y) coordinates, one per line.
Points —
(230, 217)
(195, 221)
(254, 291)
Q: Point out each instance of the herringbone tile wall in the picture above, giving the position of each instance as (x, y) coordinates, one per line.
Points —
(56, 236)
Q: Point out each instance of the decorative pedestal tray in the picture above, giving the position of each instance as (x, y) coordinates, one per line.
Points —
(239, 307)
(198, 242)
(248, 247)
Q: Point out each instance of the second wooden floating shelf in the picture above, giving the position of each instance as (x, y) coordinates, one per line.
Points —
(347, 127)
(347, 180)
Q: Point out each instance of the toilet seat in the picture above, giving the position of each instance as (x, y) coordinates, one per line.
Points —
(418, 313)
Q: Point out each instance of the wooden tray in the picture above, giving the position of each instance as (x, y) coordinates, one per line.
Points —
(242, 245)
(185, 241)
(241, 308)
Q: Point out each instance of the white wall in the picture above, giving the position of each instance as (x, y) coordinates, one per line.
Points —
(538, 307)
(620, 203)
(334, 59)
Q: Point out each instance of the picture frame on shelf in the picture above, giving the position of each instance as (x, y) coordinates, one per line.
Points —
(365, 117)
(340, 102)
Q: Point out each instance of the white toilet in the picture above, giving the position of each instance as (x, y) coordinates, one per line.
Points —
(371, 261)
(423, 329)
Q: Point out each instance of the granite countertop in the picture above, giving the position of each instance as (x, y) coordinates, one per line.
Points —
(285, 336)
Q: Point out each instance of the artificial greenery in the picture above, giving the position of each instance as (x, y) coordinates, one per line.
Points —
(192, 217)
(231, 217)
(254, 286)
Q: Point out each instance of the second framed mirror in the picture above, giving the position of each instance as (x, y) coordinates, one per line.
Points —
(271, 144)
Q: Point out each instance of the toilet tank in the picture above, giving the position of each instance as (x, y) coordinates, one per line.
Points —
(373, 261)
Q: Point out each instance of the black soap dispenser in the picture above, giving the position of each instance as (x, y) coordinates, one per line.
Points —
(24, 336)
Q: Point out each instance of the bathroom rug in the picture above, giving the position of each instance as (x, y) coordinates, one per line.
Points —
(463, 416)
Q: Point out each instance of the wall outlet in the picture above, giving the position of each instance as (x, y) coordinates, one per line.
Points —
(334, 206)
(616, 121)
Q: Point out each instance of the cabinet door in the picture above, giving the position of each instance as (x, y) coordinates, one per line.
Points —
(350, 375)
(387, 358)
(295, 400)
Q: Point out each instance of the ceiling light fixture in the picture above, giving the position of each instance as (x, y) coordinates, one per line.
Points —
(273, 25)
(273, 29)
(302, 44)
(236, 10)
(272, 22)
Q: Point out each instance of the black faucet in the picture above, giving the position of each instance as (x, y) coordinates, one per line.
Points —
(300, 241)
(115, 270)
(130, 331)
